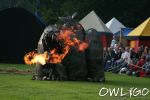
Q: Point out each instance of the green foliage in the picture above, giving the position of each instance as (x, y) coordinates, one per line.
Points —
(130, 12)
(27, 4)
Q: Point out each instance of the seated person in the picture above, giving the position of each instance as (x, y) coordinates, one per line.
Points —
(146, 67)
(137, 69)
(123, 62)
(109, 58)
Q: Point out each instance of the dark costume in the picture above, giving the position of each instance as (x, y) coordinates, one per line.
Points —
(76, 65)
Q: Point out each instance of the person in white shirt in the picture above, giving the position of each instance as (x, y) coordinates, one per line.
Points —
(123, 62)
(113, 42)
(126, 55)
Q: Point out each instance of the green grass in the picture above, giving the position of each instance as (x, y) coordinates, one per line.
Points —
(21, 87)
(18, 66)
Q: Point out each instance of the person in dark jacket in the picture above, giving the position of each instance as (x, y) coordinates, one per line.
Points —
(109, 58)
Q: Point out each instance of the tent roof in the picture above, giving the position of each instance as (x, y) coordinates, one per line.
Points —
(124, 31)
(93, 21)
(20, 31)
(114, 25)
(142, 30)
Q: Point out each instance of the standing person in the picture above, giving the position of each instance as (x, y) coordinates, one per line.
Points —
(113, 42)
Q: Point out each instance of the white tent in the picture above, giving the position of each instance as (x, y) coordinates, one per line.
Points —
(93, 21)
(114, 25)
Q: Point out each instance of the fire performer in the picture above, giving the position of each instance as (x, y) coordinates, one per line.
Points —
(60, 53)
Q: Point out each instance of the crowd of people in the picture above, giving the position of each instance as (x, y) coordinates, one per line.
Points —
(127, 60)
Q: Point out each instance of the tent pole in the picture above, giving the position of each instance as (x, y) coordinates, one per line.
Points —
(120, 37)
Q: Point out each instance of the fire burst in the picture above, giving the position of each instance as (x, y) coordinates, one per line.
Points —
(33, 57)
(65, 36)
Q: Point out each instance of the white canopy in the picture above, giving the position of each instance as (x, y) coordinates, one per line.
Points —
(93, 21)
(114, 25)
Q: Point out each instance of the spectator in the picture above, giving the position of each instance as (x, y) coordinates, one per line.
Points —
(109, 58)
(137, 69)
(123, 61)
(119, 59)
(141, 62)
(113, 42)
(118, 54)
(105, 52)
(140, 51)
(126, 55)
(133, 56)
(132, 53)
(146, 67)
(116, 48)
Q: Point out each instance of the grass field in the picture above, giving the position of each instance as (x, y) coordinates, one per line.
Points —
(21, 87)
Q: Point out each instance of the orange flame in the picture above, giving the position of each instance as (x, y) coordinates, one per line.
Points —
(82, 46)
(56, 58)
(65, 36)
(33, 57)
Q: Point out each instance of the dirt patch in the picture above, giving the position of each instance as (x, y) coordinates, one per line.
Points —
(13, 70)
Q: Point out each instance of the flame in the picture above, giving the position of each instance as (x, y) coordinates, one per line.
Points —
(56, 58)
(82, 46)
(67, 36)
(33, 57)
